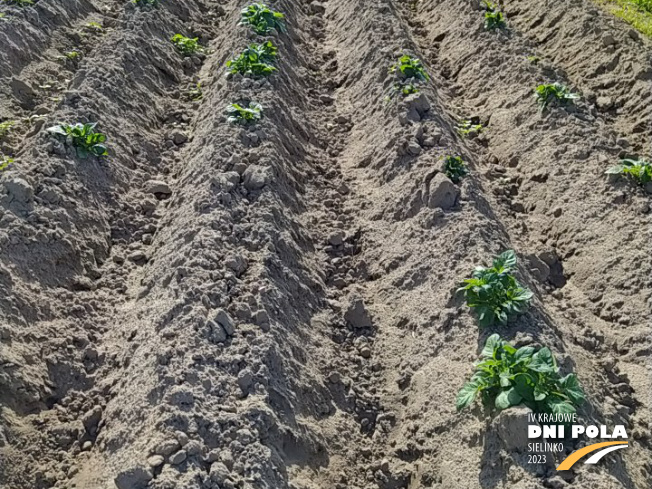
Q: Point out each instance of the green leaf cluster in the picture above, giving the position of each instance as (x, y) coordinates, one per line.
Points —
(638, 170)
(5, 162)
(5, 127)
(546, 94)
(455, 168)
(262, 19)
(195, 93)
(493, 18)
(494, 294)
(19, 3)
(467, 126)
(506, 376)
(83, 137)
(255, 61)
(237, 114)
(186, 45)
(145, 3)
(409, 68)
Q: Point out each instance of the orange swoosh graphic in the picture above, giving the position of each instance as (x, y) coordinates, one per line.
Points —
(575, 456)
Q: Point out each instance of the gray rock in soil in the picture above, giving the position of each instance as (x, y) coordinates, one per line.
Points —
(255, 177)
(167, 447)
(219, 473)
(223, 319)
(179, 138)
(178, 457)
(512, 426)
(337, 238)
(237, 263)
(157, 187)
(417, 106)
(91, 419)
(155, 461)
(134, 478)
(245, 381)
(443, 193)
(217, 332)
(356, 314)
(19, 190)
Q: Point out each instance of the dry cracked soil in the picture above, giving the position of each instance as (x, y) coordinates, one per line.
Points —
(274, 306)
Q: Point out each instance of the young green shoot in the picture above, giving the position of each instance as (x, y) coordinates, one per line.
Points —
(505, 377)
(494, 294)
(255, 61)
(82, 137)
(493, 18)
(409, 68)
(145, 3)
(408, 73)
(5, 162)
(640, 171)
(557, 93)
(195, 93)
(455, 168)
(18, 3)
(466, 127)
(5, 128)
(262, 19)
(94, 27)
(185, 45)
(237, 114)
(73, 55)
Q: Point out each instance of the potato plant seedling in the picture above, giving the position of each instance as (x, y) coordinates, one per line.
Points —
(195, 93)
(255, 61)
(5, 128)
(467, 127)
(493, 18)
(505, 376)
(185, 45)
(640, 171)
(19, 3)
(5, 162)
(82, 137)
(549, 93)
(408, 73)
(238, 114)
(262, 19)
(455, 168)
(494, 294)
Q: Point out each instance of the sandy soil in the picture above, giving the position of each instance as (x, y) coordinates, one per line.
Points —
(274, 307)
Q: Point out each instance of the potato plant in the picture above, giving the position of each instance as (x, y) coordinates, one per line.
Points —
(185, 45)
(195, 93)
(455, 168)
(5, 128)
(5, 162)
(556, 93)
(640, 171)
(409, 73)
(262, 19)
(255, 61)
(466, 127)
(409, 68)
(238, 114)
(506, 376)
(494, 294)
(82, 137)
(19, 3)
(493, 18)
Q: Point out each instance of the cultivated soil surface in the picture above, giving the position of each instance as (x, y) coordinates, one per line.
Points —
(270, 308)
